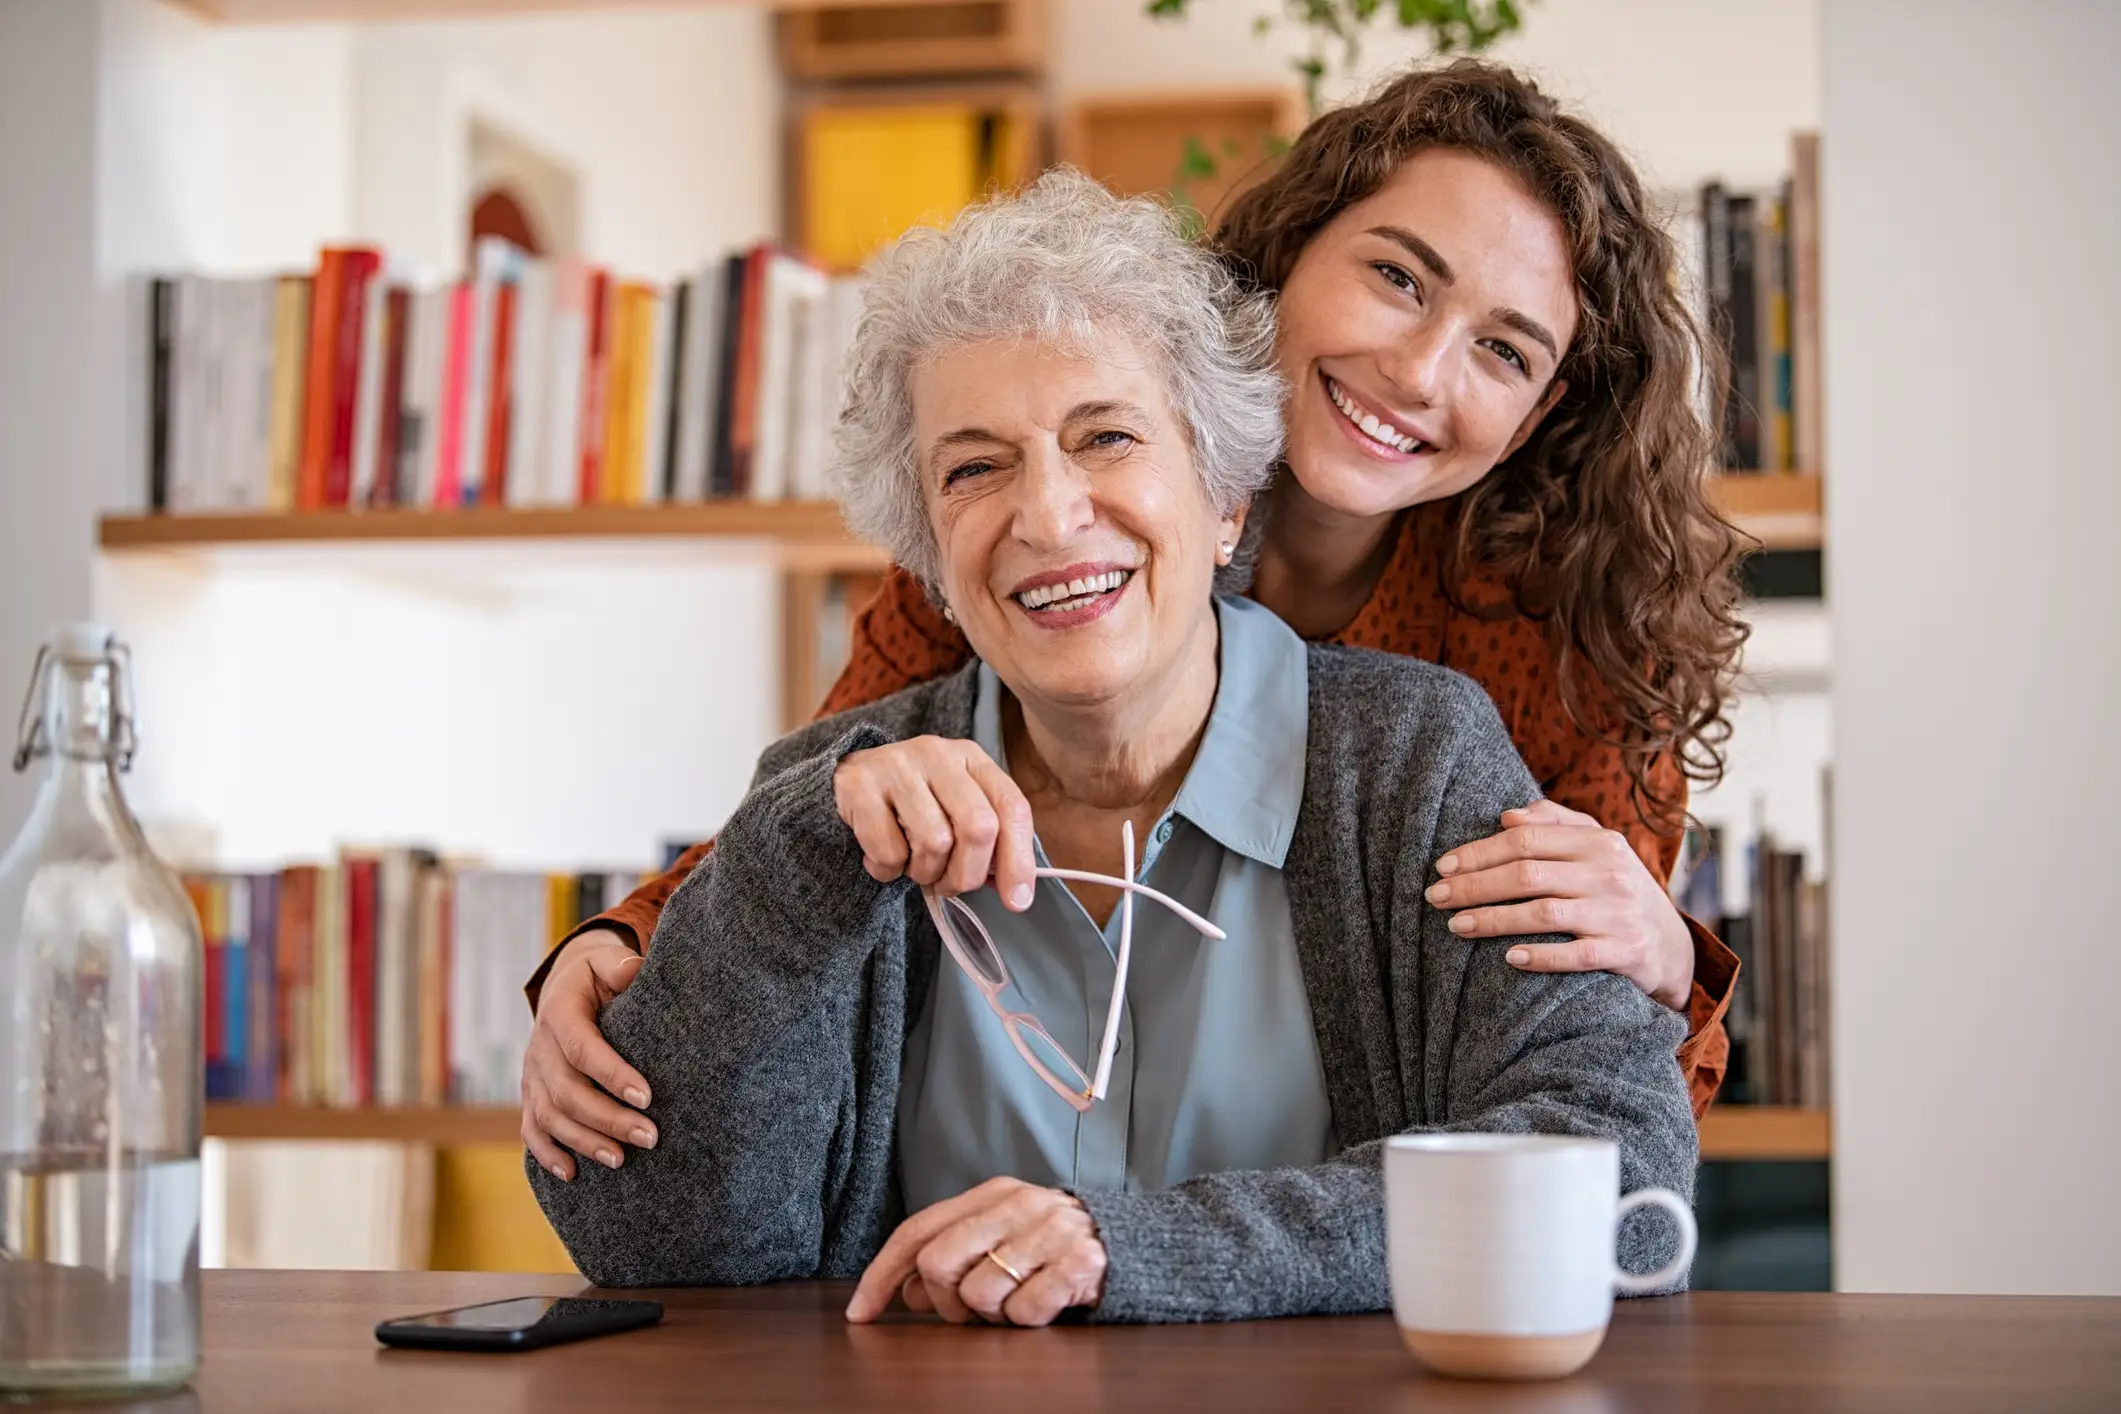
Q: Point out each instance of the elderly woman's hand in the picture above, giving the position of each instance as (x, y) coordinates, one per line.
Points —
(1556, 870)
(941, 813)
(1006, 1252)
(561, 1107)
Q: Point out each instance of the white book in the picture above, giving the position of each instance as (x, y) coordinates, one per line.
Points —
(567, 348)
(528, 368)
(787, 281)
(265, 329)
(430, 354)
(699, 370)
(462, 1061)
(188, 393)
(368, 396)
(808, 399)
(659, 373)
(394, 894)
(212, 410)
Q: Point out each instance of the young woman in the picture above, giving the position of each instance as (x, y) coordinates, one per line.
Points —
(1494, 462)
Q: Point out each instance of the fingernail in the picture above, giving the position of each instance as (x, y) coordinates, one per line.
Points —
(607, 1158)
(557, 1172)
(1447, 865)
(636, 1096)
(1439, 893)
(1463, 923)
(1518, 957)
(644, 1138)
(1020, 896)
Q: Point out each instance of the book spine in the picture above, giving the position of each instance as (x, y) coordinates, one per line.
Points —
(390, 426)
(235, 1047)
(676, 372)
(162, 337)
(1745, 333)
(744, 435)
(560, 477)
(361, 269)
(361, 979)
(448, 487)
(500, 418)
(596, 372)
(290, 369)
(1807, 383)
(262, 1083)
(721, 480)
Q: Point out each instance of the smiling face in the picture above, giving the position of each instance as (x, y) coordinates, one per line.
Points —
(1076, 544)
(1420, 331)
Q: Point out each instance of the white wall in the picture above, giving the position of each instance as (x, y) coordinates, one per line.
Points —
(1692, 88)
(1972, 295)
(670, 118)
(49, 394)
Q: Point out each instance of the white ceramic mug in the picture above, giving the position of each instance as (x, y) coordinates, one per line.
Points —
(1502, 1249)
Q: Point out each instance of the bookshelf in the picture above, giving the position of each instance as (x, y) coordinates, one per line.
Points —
(1783, 510)
(803, 528)
(1728, 1132)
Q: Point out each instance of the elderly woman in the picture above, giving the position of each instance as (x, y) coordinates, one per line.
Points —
(1164, 1109)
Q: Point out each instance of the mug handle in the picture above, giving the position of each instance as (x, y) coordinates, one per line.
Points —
(1671, 1271)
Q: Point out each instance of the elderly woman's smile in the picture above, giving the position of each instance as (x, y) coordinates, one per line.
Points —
(1075, 540)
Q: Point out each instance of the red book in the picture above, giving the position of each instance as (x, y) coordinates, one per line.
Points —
(456, 369)
(317, 405)
(493, 489)
(362, 266)
(397, 308)
(595, 364)
(744, 419)
(361, 975)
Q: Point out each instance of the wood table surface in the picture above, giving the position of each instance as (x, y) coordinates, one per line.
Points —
(299, 1341)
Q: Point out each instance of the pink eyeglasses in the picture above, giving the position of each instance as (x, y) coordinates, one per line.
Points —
(982, 962)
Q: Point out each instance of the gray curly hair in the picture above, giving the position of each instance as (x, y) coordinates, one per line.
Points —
(1062, 263)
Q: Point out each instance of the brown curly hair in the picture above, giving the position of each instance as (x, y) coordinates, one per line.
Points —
(1601, 523)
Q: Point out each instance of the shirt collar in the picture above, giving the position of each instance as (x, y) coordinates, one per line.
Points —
(1246, 783)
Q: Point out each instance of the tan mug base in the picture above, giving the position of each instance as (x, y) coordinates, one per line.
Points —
(1503, 1357)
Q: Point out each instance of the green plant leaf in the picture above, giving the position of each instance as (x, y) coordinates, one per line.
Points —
(1196, 163)
(1165, 9)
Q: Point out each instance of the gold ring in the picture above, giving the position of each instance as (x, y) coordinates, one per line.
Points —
(1014, 1275)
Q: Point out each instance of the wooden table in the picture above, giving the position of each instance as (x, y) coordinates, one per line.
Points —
(297, 1341)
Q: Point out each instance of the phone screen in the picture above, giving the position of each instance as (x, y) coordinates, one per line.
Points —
(519, 1314)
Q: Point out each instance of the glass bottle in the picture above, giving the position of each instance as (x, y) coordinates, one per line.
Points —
(101, 1072)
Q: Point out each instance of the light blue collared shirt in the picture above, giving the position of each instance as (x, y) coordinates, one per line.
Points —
(1217, 1067)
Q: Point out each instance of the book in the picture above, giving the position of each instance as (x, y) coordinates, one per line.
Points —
(596, 377)
(450, 450)
(162, 337)
(567, 350)
(291, 299)
(660, 370)
(529, 363)
(692, 470)
(744, 398)
(722, 432)
(361, 270)
(1807, 382)
(389, 488)
(500, 413)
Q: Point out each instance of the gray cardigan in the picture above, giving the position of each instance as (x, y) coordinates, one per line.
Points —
(771, 1018)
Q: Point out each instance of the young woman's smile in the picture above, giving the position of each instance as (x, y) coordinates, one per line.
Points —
(1420, 334)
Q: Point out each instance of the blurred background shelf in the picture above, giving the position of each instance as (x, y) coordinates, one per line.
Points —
(804, 529)
(1783, 510)
(445, 1124)
(1728, 1132)
(1757, 1132)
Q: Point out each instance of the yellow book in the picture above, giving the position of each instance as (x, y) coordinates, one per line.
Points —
(290, 367)
(869, 174)
(618, 380)
(640, 329)
(559, 907)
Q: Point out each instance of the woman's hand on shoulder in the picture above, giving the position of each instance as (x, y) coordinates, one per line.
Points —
(568, 1059)
(939, 811)
(1007, 1252)
(1556, 870)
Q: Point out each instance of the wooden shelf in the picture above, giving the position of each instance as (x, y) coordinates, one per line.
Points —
(283, 11)
(1727, 1131)
(448, 1124)
(1783, 510)
(805, 528)
(1765, 1132)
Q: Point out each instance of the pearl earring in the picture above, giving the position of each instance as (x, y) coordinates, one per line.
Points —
(1227, 550)
(949, 614)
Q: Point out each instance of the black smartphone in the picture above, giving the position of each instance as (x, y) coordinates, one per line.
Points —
(525, 1323)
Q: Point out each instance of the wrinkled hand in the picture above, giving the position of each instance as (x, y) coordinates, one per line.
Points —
(940, 812)
(567, 1052)
(1556, 870)
(937, 1260)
